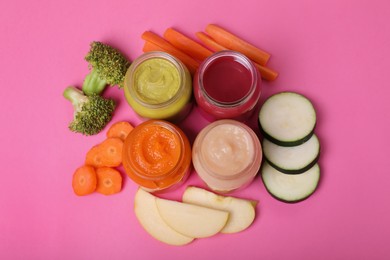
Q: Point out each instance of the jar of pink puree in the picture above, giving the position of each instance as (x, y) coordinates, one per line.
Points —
(227, 85)
(227, 155)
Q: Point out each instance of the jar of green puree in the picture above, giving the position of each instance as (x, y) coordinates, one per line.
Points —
(159, 86)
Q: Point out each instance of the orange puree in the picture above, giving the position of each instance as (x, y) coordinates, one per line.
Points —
(157, 155)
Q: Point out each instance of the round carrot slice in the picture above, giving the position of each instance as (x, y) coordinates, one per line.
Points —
(106, 154)
(84, 180)
(120, 130)
(109, 181)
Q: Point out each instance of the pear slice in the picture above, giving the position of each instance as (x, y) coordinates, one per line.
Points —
(147, 214)
(191, 220)
(241, 211)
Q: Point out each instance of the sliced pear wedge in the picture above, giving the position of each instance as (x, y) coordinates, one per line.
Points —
(191, 220)
(241, 211)
(147, 214)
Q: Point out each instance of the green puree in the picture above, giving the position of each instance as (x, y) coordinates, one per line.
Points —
(156, 81)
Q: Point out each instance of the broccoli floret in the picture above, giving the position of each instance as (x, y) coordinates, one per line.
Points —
(91, 113)
(107, 64)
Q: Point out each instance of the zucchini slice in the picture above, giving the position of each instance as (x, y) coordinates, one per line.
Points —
(293, 159)
(287, 119)
(287, 187)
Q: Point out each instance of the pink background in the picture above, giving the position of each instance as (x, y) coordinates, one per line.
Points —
(335, 52)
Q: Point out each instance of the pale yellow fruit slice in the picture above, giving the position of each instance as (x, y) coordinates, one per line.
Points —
(241, 212)
(191, 220)
(147, 214)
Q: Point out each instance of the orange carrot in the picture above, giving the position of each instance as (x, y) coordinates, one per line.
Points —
(108, 153)
(191, 64)
(120, 130)
(233, 42)
(209, 42)
(186, 44)
(156, 43)
(84, 180)
(109, 180)
(266, 73)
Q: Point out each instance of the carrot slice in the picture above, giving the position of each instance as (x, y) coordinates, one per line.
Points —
(209, 42)
(109, 181)
(84, 180)
(156, 43)
(120, 130)
(233, 42)
(186, 44)
(108, 153)
(93, 157)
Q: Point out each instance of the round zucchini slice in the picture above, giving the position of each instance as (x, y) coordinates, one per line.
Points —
(287, 119)
(287, 187)
(293, 159)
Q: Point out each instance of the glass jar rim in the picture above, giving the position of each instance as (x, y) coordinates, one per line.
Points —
(179, 66)
(242, 172)
(238, 57)
(157, 177)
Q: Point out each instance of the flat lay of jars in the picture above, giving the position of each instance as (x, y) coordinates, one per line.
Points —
(226, 154)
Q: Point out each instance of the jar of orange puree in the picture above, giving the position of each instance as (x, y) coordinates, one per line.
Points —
(157, 155)
(227, 155)
(159, 86)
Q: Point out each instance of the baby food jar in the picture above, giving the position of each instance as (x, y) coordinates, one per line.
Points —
(227, 85)
(227, 155)
(159, 86)
(157, 155)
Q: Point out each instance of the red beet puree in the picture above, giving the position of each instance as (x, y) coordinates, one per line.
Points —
(227, 85)
(227, 80)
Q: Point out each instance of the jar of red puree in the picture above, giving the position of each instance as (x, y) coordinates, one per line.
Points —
(227, 85)
(157, 155)
(227, 155)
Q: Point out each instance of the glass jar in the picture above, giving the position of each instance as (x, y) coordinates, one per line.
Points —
(227, 85)
(157, 155)
(227, 155)
(159, 86)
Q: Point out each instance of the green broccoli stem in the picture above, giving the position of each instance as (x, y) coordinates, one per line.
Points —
(93, 84)
(76, 97)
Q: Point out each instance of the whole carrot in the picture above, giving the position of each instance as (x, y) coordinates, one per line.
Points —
(209, 42)
(154, 42)
(191, 64)
(186, 44)
(233, 42)
(266, 73)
